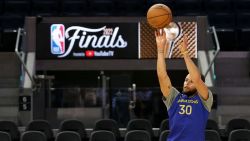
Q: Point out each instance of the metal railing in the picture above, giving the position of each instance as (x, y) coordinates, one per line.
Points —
(19, 54)
(217, 44)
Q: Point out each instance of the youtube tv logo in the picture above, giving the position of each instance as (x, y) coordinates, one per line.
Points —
(90, 53)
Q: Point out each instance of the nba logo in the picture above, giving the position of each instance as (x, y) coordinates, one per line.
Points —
(57, 40)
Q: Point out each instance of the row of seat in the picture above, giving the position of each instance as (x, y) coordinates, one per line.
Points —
(136, 135)
(74, 136)
(212, 135)
(220, 12)
(221, 20)
(112, 126)
(232, 125)
(80, 6)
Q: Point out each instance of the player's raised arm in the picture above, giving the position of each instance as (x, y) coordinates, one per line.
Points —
(162, 47)
(193, 71)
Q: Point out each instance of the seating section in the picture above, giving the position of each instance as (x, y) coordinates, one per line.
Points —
(74, 8)
(231, 17)
(108, 130)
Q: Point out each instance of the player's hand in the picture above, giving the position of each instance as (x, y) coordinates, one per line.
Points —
(161, 39)
(183, 47)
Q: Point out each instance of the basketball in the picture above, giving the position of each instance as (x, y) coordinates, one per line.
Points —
(159, 16)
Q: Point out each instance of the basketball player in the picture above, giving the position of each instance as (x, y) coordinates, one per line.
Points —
(187, 110)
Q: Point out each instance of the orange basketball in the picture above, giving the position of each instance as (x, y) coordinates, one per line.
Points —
(159, 16)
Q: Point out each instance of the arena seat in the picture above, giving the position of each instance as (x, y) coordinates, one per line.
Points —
(164, 135)
(74, 125)
(137, 135)
(33, 136)
(4, 136)
(212, 135)
(212, 125)
(102, 135)
(17, 7)
(109, 125)
(235, 124)
(140, 124)
(45, 8)
(43, 126)
(239, 135)
(74, 8)
(11, 128)
(68, 136)
(164, 125)
(101, 7)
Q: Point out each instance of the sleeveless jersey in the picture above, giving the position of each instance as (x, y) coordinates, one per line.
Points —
(188, 117)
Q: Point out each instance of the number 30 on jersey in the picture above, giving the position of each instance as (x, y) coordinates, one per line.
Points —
(185, 110)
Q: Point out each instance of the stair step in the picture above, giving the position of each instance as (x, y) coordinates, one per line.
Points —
(9, 96)
(10, 65)
(233, 95)
(9, 111)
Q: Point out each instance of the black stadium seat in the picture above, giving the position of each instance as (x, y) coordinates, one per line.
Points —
(45, 8)
(33, 136)
(4, 136)
(43, 126)
(109, 125)
(235, 124)
(74, 125)
(101, 7)
(243, 20)
(243, 38)
(188, 7)
(131, 7)
(241, 5)
(137, 135)
(11, 128)
(1, 7)
(239, 135)
(140, 124)
(68, 136)
(102, 135)
(164, 125)
(164, 135)
(218, 19)
(212, 125)
(74, 8)
(218, 6)
(17, 7)
(11, 22)
(212, 135)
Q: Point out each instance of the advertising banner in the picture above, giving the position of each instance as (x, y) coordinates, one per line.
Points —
(125, 40)
(87, 41)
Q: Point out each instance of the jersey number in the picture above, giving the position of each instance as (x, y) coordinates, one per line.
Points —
(185, 109)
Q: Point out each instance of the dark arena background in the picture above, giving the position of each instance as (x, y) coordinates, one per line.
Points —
(87, 65)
